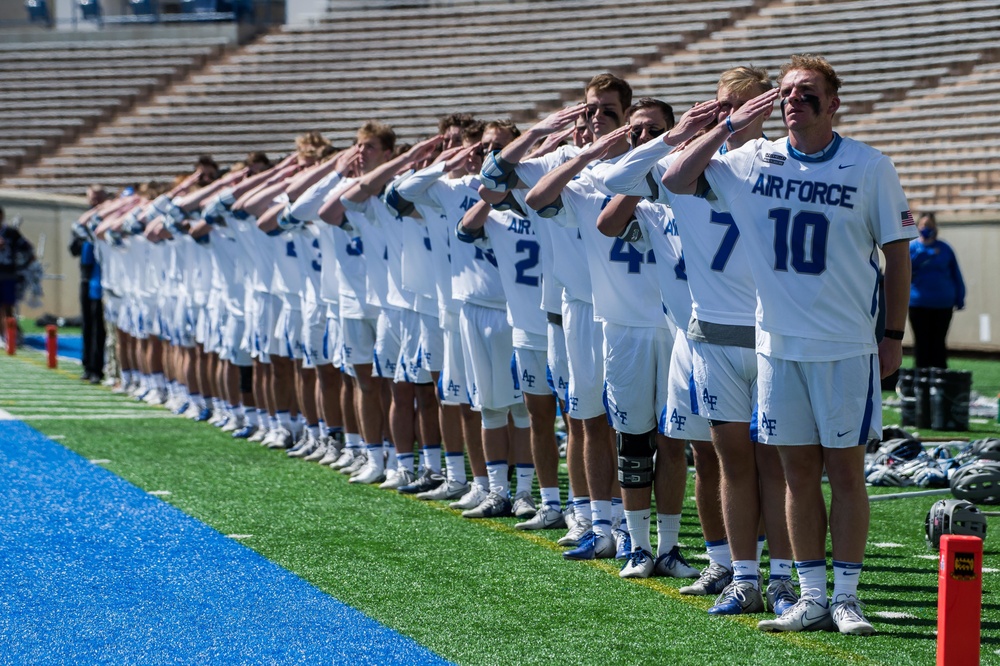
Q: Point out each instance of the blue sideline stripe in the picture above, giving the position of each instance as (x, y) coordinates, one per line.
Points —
(95, 570)
(70, 346)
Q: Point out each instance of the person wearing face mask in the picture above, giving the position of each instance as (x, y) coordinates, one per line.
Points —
(936, 290)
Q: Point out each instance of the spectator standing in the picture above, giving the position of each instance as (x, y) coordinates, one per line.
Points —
(91, 306)
(16, 252)
(936, 291)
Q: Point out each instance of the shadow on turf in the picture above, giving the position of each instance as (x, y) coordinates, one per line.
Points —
(897, 588)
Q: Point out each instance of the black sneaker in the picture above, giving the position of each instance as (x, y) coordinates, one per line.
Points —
(427, 480)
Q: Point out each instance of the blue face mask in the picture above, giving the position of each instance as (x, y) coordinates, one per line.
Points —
(927, 232)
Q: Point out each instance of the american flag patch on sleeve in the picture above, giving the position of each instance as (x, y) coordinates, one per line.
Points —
(907, 219)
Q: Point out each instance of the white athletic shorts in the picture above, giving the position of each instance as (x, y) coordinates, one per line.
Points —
(313, 334)
(332, 345)
(183, 323)
(725, 378)
(359, 340)
(837, 404)
(386, 355)
(636, 373)
(680, 418)
(288, 332)
(431, 356)
(409, 368)
(557, 371)
(487, 346)
(453, 388)
(528, 368)
(585, 353)
(233, 339)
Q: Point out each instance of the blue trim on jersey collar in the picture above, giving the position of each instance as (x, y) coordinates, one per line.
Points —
(822, 156)
(724, 148)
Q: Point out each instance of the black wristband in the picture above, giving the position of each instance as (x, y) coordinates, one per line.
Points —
(893, 334)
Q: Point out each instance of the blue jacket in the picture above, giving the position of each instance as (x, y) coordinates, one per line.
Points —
(937, 281)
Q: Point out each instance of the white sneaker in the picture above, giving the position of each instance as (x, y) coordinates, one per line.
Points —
(233, 424)
(573, 536)
(673, 565)
(805, 615)
(318, 453)
(545, 518)
(346, 458)
(370, 473)
(155, 398)
(524, 505)
(191, 412)
(849, 619)
(282, 439)
(260, 435)
(403, 477)
(713, 580)
(446, 491)
(638, 565)
(470, 500)
(304, 448)
(332, 453)
(360, 458)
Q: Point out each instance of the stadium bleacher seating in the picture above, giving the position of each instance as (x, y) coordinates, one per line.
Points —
(912, 87)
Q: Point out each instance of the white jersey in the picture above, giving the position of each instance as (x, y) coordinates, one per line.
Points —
(311, 253)
(474, 274)
(439, 235)
(306, 209)
(812, 227)
(228, 270)
(718, 268)
(659, 230)
(623, 277)
(516, 247)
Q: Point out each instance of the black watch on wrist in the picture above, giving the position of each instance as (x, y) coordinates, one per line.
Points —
(893, 334)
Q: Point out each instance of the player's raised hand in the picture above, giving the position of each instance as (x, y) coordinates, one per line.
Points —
(752, 110)
(345, 160)
(459, 157)
(558, 120)
(552, 141)
(600, 148)
(424, 149)
(694, 120)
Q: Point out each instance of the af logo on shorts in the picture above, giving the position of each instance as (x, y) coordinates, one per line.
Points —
(678, 420)
(770, 425)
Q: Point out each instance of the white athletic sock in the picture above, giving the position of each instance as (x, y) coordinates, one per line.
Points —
(375, 457)
(581, 507)
(314, 431)
(482, 481)
(496, 471)
(525, 475)
(454, 464)
(432, 457)
(638, 529)
(285, 421)
(404, 460)
(812, 580)
(352, 440)
(252, 417)
(782, 569)
(760, 547)
(668, 528)
(617, 512)
(845, 579)
(746, 571)
(550, 498)
(600, 511)
(718, 552)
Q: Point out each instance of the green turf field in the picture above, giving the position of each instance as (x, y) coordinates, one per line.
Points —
(476, 592)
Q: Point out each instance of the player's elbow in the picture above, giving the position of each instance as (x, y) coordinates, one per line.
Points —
(490, 196)
(537, 199)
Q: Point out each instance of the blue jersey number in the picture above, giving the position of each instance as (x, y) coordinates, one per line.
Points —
(526, 264)
(803, 238)
(319, 256)
(486, 255)
(290, 249)
(728, 243)
(355, 248)
(623, 252)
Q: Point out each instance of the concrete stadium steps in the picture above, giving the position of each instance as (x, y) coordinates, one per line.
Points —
(389, 64)
(945, 139)
(888, 55)
(55, 91)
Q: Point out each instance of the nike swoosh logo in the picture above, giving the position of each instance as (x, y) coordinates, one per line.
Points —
(806, 620)
(841, 434)
(845, 166)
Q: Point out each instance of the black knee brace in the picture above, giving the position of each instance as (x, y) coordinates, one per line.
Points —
(246, 378)
(635, 459)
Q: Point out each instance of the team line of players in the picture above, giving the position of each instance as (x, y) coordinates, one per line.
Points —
(451, 293)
